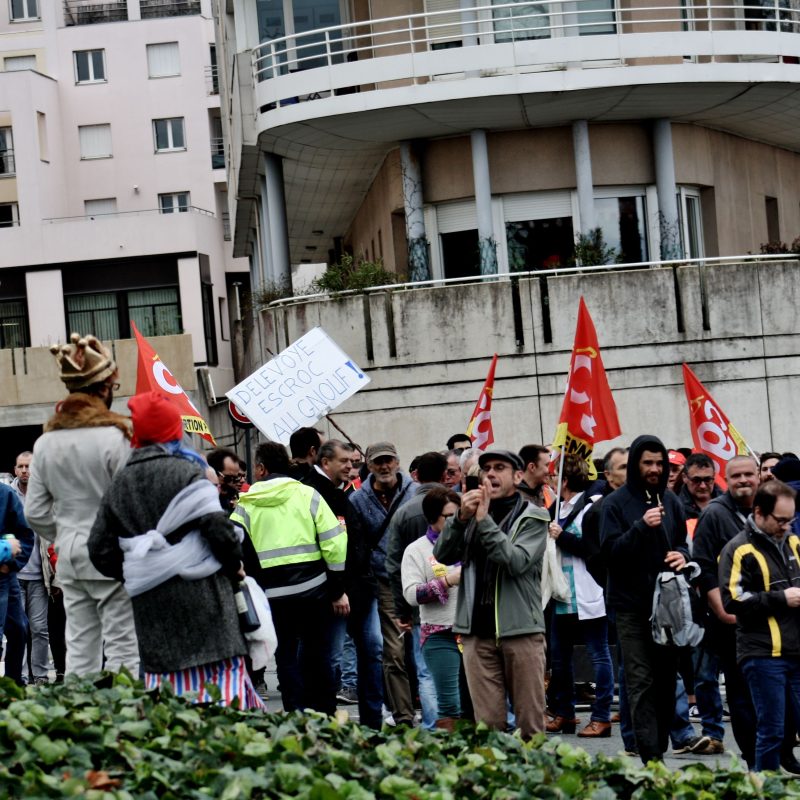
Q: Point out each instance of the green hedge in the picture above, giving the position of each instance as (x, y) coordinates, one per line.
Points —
(108, 738)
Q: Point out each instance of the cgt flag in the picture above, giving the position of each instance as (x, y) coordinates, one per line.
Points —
(712, 432)
(152, 375)
(480, 426)
(588, 414)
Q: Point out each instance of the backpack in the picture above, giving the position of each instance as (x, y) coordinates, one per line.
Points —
(672, 621)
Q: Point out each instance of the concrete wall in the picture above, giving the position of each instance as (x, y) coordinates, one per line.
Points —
(427, 352)
(735, 174)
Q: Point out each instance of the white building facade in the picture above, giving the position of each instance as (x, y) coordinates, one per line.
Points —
(113, 199)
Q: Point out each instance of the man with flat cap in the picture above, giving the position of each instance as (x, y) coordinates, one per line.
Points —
(499, 538)
(84, 445)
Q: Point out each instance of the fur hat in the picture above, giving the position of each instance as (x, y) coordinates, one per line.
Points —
(83, 362)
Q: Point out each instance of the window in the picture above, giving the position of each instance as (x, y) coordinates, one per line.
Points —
(7, 166)
(154, 311)
(17, 63)
(690, 222)
(90, 66)
(539, 243)
(41, 129)
(526, 21)
(773, 219)
(95, 141)
(9, 215)
(163, 60)
(14, 324)
(103, 205)
(209, 328)
(622, 220)
(24, 9)
(169, 134)
(174, 202)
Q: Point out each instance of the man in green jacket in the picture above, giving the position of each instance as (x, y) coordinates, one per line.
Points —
(500, 539)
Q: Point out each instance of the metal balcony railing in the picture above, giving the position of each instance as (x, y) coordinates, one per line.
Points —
(124, 214)
(89, 12)
(226, 226)
(217, 153)
(549, 34)
(7, 163)
(212, 79)
(168, 8)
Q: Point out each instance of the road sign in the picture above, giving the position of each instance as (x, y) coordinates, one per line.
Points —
(239, 419)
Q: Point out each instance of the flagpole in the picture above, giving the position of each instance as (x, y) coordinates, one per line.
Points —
(558, 488)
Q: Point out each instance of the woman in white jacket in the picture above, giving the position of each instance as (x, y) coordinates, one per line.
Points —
(434, 588)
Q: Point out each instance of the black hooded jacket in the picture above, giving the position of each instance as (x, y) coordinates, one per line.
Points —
(633, 550)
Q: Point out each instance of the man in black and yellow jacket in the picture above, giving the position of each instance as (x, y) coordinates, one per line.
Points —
(759, 577)
(301, 549)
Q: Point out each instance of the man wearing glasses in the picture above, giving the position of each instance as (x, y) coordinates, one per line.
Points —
(231, 477)
(699, 487)
(722, 521)
(759, 576)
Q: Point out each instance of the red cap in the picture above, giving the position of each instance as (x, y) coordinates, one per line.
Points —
(677, 458)
(155, 419)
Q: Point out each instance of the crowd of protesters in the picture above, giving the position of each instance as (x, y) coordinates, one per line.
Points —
(464, 582)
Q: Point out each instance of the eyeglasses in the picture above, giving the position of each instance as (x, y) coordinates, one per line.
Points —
(697, 479)
(239, 478)
(784, 522)
(114, 386)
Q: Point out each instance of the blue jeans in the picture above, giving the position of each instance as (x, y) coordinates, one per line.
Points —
(427, 690)
(770, 679)
(15, 625)
(443, 659)
(348, 663)
(364, 628)
(682, 731)
(706, 690)
(565, 630)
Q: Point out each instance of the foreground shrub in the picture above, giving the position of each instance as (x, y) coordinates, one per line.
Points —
(108, 738)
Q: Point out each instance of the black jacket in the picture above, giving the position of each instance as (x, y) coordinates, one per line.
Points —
(754, 571)
(407, 525)
(718, 524)
(634, 551)
(690, 508)
(358, 581)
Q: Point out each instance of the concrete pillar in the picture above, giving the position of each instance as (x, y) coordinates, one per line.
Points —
(278, 226)
(483, 203)
(583, 175)
(419, 268)
(192, 306)
(47, 319)
(469, 23)
(266, 276)
(134, 12)
(666, 191)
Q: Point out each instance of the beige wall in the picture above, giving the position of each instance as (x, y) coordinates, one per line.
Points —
(742, 173)
(734, 175)
(372, 224)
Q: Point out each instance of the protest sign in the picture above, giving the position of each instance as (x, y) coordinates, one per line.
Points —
(298, 387)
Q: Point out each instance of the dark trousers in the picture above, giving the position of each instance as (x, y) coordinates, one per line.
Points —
(56, 627)
(650, 676)
(737, 693)
(15, 624)
(304, 628)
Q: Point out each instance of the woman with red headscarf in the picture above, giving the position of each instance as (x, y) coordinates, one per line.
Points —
(161, 530)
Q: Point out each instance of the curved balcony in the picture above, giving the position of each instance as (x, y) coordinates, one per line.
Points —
(524, 48)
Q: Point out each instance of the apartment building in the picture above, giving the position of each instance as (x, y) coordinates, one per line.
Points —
(113, 201)
(459, 137)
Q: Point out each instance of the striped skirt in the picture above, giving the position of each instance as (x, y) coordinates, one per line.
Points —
(229, 675)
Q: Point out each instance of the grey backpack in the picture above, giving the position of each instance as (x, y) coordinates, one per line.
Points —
(672, 622)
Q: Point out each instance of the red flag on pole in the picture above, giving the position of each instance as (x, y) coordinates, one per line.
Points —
(588, 414)
(153, 375)
(712, 432)
(480, 425)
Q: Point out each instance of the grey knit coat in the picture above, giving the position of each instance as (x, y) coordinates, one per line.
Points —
(179, 624)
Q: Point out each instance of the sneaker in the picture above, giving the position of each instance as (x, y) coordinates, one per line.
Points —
(714, 748)
(40, 682)
(790, 766)
(694, 714)
(347, 695)
(691, 745)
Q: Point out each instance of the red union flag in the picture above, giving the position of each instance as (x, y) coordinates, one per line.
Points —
(712, 432)
(588, 414)
(480, 426)
(152, 375)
